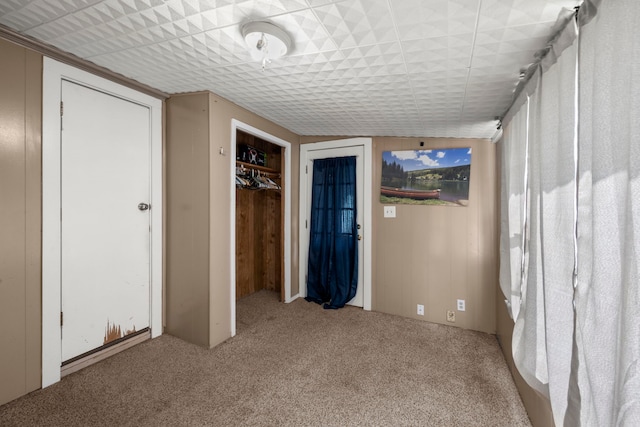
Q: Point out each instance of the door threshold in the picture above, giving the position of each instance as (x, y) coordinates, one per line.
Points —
(97, 356)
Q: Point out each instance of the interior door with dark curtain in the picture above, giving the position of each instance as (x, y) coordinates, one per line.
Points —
(332, 275)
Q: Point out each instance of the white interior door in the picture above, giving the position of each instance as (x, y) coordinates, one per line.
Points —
(105, 234)
(358, 152)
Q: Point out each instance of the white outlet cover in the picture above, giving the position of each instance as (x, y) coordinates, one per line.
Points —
(461, 305)
(389, 211)
(420, 310)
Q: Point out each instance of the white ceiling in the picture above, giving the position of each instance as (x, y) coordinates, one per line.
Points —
(422, 68)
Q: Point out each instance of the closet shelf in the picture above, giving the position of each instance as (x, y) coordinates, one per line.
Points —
(253, 177)
(256, 167)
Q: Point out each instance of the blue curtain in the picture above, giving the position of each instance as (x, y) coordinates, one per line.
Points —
(332, 276)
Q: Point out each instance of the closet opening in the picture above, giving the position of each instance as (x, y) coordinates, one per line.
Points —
(259, 216)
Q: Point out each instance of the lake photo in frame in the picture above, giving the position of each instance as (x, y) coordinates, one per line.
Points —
(426, 177)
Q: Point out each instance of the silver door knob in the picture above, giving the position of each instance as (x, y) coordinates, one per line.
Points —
(143, 206)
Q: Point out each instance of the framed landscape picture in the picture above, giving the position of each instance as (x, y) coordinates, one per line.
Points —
(426, 177)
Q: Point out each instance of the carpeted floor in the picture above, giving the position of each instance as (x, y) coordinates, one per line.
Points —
(291, 365)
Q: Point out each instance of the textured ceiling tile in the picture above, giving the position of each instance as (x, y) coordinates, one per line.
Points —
(367, 61)
(435, 53)
(504, 61)
(442, 65)
(65, 25)
(308, 35)
(220, 17)
(347, 73)
(110, 10)
(31, 15)
(357, 23)
(495, 14)
(509, 13)
(452, 77)
(259, 9)
(10, 6)
(21, 16)
(417, 19)
(536, 33)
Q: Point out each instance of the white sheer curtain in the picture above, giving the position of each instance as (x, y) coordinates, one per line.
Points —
(557, 145)
(606, 360)
(528, 343)
(513, 185)
(543, 333)
(570, 242)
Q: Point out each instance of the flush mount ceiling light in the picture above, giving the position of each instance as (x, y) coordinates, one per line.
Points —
(266, 41)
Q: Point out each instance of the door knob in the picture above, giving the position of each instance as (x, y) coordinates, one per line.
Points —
(143, 206)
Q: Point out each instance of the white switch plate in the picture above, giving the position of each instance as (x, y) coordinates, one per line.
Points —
(389, 211)
(461, 305)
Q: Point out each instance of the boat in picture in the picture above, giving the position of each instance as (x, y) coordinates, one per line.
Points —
(410, 194)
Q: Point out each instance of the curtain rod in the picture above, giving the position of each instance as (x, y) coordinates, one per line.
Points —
(526, 73)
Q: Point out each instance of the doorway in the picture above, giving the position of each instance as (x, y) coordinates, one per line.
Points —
(59, 78)
(361, 149)
(286, 190)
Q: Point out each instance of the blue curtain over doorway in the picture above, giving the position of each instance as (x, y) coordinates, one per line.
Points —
(332, 275)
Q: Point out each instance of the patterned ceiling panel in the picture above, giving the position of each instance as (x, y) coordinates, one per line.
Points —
(421, 68)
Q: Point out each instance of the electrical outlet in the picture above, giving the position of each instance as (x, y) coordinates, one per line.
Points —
(451, 316)
(389, 211)
(461, 305)
(420, 310)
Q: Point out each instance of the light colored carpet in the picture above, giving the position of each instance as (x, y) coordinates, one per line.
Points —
(291, 365)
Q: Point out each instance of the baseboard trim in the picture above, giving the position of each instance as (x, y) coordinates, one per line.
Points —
(103, 354)
(293, 298)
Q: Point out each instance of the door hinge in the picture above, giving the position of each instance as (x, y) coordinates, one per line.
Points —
(61, 108)
(61, 319)
(306, 224)
(306, 169)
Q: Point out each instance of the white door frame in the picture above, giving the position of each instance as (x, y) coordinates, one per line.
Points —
(235, 125)
(303, 246)
(53, 74)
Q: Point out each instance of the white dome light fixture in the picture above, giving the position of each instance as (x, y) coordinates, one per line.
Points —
(266, 41)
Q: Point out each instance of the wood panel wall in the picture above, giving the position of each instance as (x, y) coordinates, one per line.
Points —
(187, 239)
(434, 255)
(20, 221)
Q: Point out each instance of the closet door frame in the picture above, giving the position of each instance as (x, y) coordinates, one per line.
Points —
(286, 173)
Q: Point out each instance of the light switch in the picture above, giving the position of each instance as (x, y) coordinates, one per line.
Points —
(389, 211)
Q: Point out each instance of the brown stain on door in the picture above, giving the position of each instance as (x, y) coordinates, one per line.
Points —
(114, 332)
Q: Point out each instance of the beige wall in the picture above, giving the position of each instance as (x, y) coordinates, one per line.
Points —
(187, 218)
(20, 220)
(434, 255)
(215, 302)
